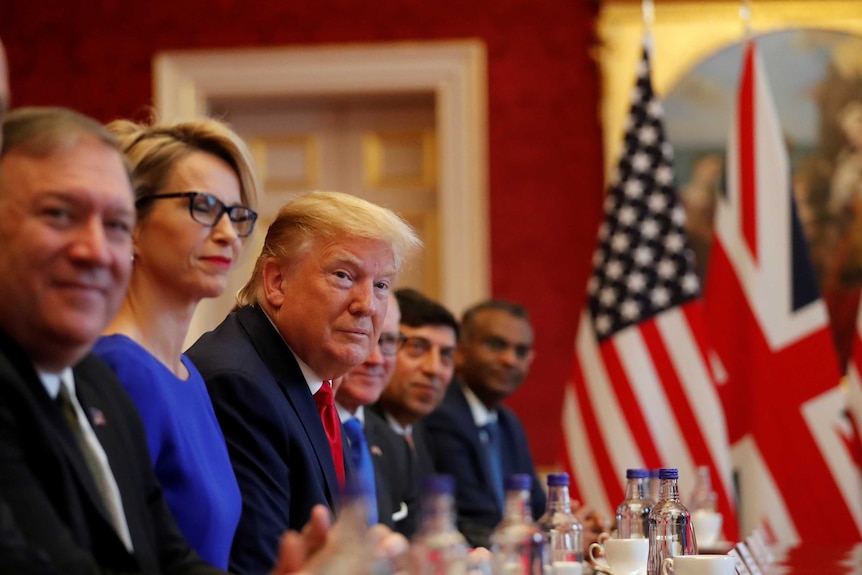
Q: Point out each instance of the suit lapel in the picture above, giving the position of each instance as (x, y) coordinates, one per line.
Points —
(103, 415)
(465, 416)
(63, 437)
(378, 458)
(284, 368)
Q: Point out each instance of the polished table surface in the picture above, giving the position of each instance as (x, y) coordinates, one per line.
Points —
(819, 559)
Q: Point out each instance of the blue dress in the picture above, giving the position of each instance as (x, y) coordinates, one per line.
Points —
(186, 445)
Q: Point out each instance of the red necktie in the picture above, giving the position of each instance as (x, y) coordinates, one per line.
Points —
(332, 425)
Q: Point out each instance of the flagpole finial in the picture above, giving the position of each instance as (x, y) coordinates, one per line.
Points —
(648, 11)
(745, 15)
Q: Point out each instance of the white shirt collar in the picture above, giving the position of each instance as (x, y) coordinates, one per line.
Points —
(397, 427)
(344, 414)
(482, 416)
(53, 381)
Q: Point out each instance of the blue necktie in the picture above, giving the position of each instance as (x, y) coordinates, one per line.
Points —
(491, 438)
(361, 458)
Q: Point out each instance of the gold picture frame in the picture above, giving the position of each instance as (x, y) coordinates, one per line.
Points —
(686, 32)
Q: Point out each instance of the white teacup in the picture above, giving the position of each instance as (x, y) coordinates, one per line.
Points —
(566, 568)
(707, 527)
(624, 556)
(699, 565)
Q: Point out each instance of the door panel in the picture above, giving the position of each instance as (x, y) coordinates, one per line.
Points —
(383, 149)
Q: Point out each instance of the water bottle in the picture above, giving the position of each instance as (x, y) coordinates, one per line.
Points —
(653, 484)
(516, 543)
(352, 554)
(633, 512)
(703, 498)
(670, 530)
(563, 533)
(439, 548)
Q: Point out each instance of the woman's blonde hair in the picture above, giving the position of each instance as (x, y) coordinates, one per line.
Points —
(328, 216)
(153, 150)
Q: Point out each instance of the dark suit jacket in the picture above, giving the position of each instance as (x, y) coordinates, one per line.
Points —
(394, 471)
(457, 450)
(55, 506)
(421, 454)
(17, 554)
(276, 441)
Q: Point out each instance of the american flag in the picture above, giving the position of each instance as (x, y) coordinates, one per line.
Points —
(769, 327)
(642, 393)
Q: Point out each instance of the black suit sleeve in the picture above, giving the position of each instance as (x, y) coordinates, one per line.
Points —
(51, 517)
(17, 555)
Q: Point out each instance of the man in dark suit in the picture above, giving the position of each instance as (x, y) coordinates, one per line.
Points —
(76, 476)
(311, 310)
(395, 485)
(423, 369)
(473, 436)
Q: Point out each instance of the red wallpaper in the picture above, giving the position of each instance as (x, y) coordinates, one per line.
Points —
(545, 139)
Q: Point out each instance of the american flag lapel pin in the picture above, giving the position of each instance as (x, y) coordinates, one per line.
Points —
(97, 416)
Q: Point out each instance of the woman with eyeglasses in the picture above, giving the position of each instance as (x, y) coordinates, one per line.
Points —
(194, 182)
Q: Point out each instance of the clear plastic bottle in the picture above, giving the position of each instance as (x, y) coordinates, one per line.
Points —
(654, 483)
(516, 543)
(633, 512)
(564, 534)
(351, 533)
(703, 497)
(438, 547)
(670, 529)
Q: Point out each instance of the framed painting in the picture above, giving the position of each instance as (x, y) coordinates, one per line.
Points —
(812, 53)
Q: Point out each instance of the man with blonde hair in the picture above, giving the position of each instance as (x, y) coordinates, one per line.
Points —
(312, 309)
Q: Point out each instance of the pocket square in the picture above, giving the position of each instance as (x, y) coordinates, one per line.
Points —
(400, 514)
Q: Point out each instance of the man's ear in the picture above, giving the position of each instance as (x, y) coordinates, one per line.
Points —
(274, 275)
(459, 353)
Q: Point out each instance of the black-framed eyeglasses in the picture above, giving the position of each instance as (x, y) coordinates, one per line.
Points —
(389, 343)
(207, 210)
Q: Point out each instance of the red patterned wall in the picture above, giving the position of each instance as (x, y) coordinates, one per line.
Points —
(545, 140)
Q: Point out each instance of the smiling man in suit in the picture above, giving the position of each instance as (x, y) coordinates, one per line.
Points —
(74, 467)
(312, 309)
(474, 437)
(423, 370)
(394, 485)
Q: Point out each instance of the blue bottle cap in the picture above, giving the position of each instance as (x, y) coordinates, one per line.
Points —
(668, 473)
(518, 481)
(438, 484)
(653, 473)
(637, 473)
(558, 480)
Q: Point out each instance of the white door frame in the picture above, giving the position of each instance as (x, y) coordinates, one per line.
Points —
(454, 71)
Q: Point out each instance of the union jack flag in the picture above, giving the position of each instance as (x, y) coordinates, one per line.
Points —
(642, 394)
(769, 328)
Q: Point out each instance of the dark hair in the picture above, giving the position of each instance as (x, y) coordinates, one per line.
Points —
(515, 309)
(417, 310)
